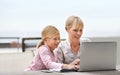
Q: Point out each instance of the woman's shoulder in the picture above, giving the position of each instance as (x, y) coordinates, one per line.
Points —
(63, 43)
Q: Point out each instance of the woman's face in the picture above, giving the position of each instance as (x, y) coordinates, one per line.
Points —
(53, 42)
(75, 34)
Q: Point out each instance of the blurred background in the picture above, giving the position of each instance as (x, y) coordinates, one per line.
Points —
(26, 18)
(21, 22)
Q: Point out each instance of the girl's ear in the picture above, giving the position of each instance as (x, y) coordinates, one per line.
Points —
(45, 39)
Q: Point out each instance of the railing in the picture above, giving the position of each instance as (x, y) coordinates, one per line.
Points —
(9, 42)
(27, 44)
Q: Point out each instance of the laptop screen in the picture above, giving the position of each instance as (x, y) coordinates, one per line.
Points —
(98, 56)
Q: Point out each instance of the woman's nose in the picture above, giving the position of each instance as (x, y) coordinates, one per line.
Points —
(58, 40)
(79, 32)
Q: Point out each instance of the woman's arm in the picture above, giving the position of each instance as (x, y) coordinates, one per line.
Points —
(76, 62)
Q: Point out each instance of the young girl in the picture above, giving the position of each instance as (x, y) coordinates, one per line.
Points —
(45, 59)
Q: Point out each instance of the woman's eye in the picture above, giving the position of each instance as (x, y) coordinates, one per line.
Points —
(75, 30)
(81, 30)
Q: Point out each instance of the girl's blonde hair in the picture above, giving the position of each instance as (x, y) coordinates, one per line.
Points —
(48, 32)
(74, 21)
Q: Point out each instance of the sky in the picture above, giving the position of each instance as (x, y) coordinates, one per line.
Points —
(27, 18)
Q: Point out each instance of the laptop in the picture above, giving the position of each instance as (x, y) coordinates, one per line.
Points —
(98, 56)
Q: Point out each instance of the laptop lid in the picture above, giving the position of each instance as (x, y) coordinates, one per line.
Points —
(98, 56)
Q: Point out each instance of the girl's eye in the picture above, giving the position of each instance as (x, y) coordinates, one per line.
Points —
(56, 39)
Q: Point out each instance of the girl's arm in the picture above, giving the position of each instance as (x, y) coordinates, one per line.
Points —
(48, 59)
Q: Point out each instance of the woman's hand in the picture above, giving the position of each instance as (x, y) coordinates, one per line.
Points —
(76, 62)
(74, 67)
(70, 66)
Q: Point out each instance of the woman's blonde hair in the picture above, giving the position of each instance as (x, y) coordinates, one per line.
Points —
(74, 21)
(48, 32)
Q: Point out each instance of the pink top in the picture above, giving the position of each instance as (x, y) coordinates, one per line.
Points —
(44, 59)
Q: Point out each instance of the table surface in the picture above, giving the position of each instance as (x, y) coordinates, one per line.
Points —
(112, 72)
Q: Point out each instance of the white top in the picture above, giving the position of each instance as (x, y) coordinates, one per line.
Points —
(64, 52)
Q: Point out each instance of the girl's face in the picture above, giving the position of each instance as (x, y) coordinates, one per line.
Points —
(53, 42)
(75, 34)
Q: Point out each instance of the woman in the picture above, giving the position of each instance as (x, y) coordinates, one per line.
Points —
(68, 51)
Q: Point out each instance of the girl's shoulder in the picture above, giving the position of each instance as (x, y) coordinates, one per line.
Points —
(43, 48)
